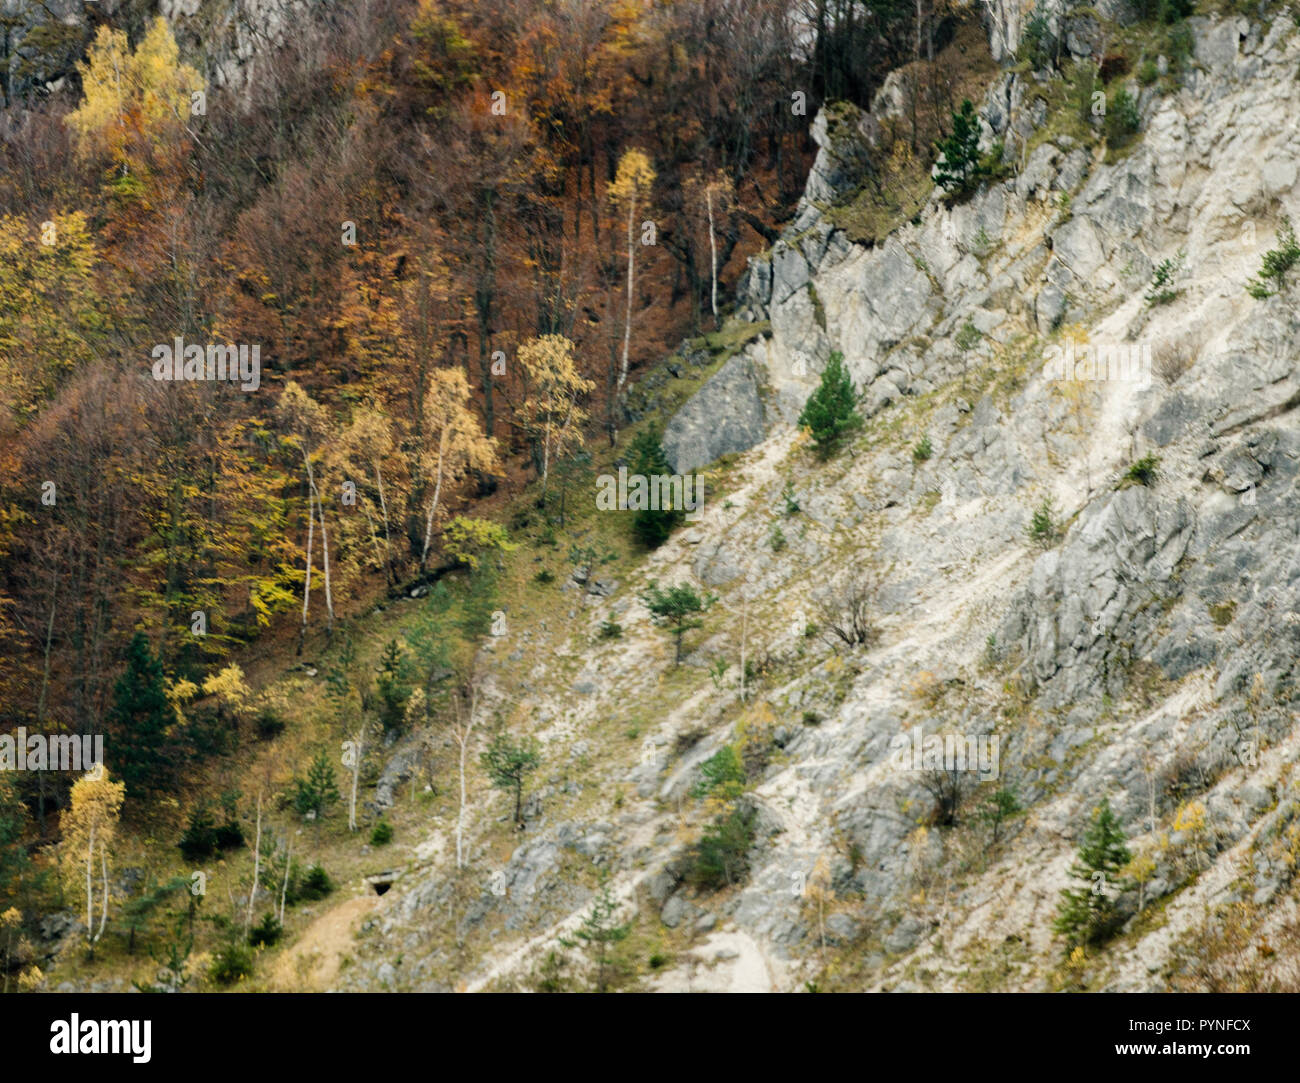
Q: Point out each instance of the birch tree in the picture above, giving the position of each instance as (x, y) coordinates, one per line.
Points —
(365, 446)
(632, 184)
(257, 868)
(716, 193)
(307, 423)
(90, 824)
(455, 440)
(550, 414)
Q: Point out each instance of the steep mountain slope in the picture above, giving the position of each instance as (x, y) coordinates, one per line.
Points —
(1139, 648)
(1146, 655)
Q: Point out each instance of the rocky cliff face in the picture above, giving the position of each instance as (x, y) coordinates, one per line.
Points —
(1144, 652)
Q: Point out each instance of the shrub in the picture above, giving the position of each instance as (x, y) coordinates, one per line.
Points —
(722, 774)
(1180, 44)
(268, 722)
(1162, 290)
(846, 616)
(1112, 66)
(1122, 119)
(266, 932)
(382, 834)
(791, 504)
(315, 885)
(830, 414)
(812, 718)
(923, 450)
(200, 837)
(1042, 528)
(1148, 72)
(1144, 471)
(229, 836)
(776, 538)
(544, 576)
(610, 629)
(231, 964)
(1037, 43)
(721, 857)
(1276, 263)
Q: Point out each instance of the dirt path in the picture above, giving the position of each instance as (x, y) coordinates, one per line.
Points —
(312, 964)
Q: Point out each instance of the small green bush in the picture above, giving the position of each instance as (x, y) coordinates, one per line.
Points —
(200, 837)
(923, 450)
(722, 774)
(1122, 119)
(268, 723)
(791, 504)
(315, 885)
(266, 932)
(233, 963)
(1276, 263)
(1042, 528)
(721, 858)
(776, 539)
(382, 834)
(544, 576)
(610, 629)
(1144, 471)
(1038, 44)
(1162, 289)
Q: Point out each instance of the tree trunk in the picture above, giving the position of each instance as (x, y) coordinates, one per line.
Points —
(437, 493)
(288, 865)
(388, 541)
(325, 556)
(356, 775)
(257, 868)
(713, 256)
(631, 267)
(306, 590)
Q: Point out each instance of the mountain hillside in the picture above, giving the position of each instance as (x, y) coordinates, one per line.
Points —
(1064, 539)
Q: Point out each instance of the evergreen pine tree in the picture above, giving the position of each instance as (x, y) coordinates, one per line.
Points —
(831, 414)
(599, 930)
(508, 763)
(678, 609)
(140, 718)
(1087, 914)
(652, 527)
(319, 789)
(959, 154)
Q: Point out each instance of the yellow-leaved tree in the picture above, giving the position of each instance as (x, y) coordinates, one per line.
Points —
(550, 415)
(632, 184)
(454, 439)
(52, 319)
(136, 104)
(363, 451)
(308, 425)
(89, 828)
